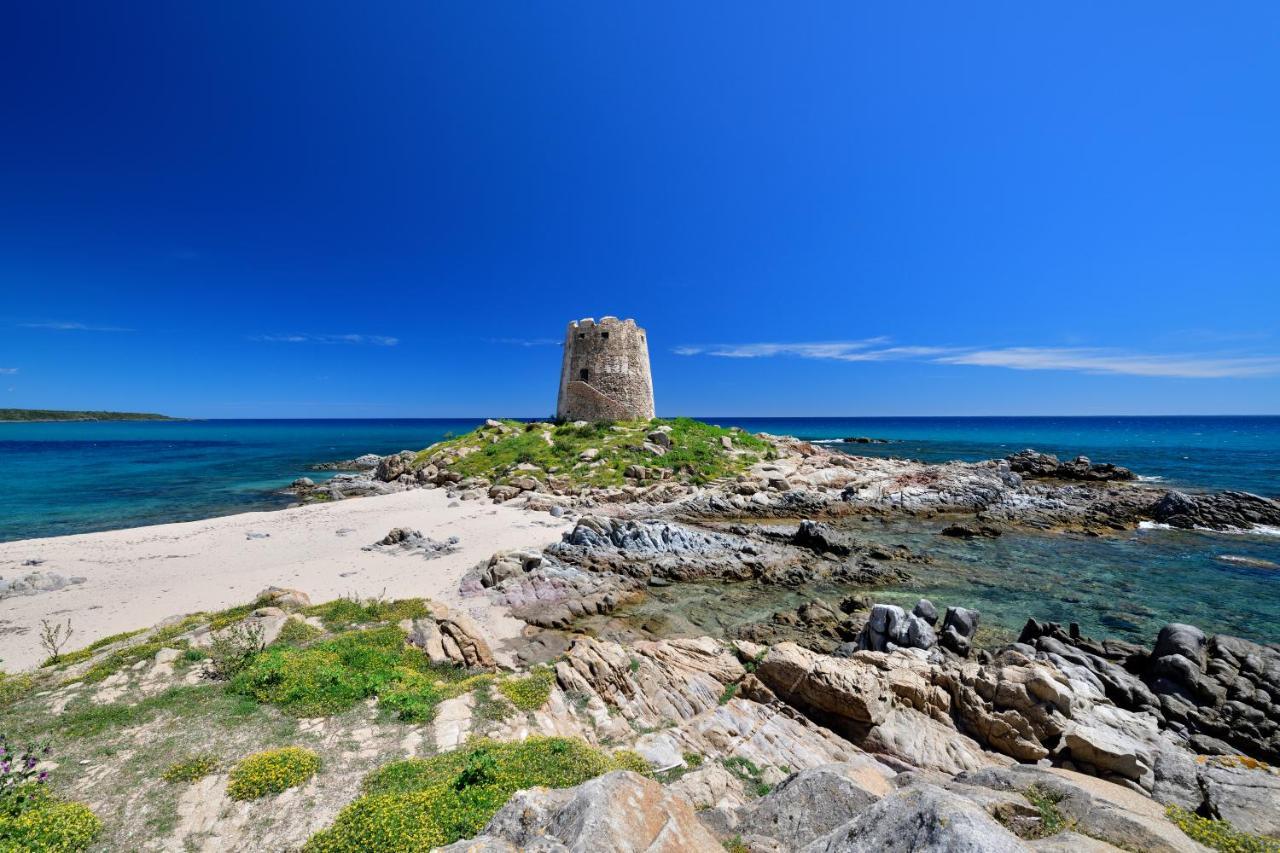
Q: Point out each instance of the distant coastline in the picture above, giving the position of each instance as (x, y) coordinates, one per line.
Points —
(55, 415)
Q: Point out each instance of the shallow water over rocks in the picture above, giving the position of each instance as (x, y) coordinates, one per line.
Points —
(1126, 585)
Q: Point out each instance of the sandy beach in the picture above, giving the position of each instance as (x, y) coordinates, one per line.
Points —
(139, 576)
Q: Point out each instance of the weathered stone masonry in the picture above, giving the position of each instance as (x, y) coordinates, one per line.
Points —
(605, 372)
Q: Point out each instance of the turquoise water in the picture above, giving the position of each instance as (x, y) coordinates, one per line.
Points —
(1184, 452)
(65, 478)
(80, 477)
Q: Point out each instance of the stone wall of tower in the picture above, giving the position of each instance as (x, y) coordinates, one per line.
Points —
(604, 375)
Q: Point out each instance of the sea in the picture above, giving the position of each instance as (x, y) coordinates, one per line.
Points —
(67, 478)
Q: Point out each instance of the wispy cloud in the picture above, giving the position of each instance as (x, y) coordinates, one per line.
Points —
(841, 350)
(8, 371)
(525, 342)
(1118, 362)
(63, 326)
(368, 340)
(1076, 359)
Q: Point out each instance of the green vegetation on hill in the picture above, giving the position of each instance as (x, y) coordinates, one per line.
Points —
(58, 415)
(697, 451)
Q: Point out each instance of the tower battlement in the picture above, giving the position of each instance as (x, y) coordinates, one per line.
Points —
(604, 374)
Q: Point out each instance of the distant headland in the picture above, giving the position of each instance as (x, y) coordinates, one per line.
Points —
(58, 415)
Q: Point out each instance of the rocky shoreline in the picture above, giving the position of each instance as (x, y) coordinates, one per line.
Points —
(846, 723)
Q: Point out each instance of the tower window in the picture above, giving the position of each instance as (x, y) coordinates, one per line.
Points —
(581, 335)
(604, 335)
(582, 374)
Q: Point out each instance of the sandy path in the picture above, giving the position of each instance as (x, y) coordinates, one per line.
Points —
(137, 577)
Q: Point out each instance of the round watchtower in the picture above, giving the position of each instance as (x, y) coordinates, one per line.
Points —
(604, 375)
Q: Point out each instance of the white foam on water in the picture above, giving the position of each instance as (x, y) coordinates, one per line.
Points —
(1256, 530)
(1152, 478)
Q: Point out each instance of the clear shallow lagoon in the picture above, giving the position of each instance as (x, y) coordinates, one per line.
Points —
(66, 478)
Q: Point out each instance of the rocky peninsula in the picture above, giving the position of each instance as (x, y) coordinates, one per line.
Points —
(839, 723)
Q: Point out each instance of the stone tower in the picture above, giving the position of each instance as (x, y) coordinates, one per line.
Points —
(605, 372)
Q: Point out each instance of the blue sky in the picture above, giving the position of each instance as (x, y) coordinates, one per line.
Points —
(243, 209)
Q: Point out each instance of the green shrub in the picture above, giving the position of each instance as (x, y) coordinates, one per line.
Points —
(191, 769)
(296, 633)
(40, 822)
(629, 759)
(730, 690)
(233, 648)
(1218, 834)
(331, 676)
(342, 613)
(428, 802)
(529, 693)
(271, 772)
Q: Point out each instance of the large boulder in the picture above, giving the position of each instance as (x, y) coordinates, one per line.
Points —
(1220, 511)
(619, 811)
(284, 598)
(812, 803)
(920, 819)
(958, 629)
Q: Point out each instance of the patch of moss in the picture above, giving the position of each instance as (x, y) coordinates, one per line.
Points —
(1218, 834)
(428, 802)
(271, 772)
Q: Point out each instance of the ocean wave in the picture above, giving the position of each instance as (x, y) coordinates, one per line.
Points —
(1150, 478)
(1256, 530)
(1252, 562)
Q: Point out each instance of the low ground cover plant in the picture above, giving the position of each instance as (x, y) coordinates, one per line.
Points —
(697, 452)
(1219, 834)
(427, 802)
(271, 772)
(330, 676)
(531, 692)
(31, 818)
(191, 769)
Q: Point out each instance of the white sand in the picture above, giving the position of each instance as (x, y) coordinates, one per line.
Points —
(139, 576)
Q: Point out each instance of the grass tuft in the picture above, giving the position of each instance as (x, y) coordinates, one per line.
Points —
(191, 769)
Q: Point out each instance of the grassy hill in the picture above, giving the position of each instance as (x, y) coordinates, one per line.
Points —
(59, 415)
(597, 454)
